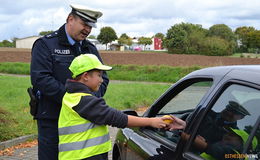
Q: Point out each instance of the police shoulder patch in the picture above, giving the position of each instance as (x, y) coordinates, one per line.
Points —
(89, 43)
(51, 35)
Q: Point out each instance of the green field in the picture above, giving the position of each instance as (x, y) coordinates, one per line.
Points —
(15, 119)
(120, 72)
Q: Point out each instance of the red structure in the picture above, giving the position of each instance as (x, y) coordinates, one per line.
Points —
(157, 43)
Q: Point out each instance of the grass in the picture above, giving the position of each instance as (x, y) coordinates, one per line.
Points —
(121, 72)
(236, 55)
(250, 55)
(133, 95)
(15, 68)
(133, 52)
(245, 55)
(15, 119)
(149, 73)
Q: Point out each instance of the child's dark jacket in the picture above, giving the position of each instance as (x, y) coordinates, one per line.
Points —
(95, 109)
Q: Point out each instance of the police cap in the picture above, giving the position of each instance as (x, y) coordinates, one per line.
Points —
(237, 108)
(88, 16)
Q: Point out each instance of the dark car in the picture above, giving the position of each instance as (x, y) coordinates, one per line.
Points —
(221, 107)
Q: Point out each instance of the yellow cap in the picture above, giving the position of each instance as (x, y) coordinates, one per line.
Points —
(86, 62)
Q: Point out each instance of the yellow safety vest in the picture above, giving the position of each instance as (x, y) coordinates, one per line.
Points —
(207, 156)
(78, 137)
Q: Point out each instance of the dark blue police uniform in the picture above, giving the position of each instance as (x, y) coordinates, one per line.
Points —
(51, 57)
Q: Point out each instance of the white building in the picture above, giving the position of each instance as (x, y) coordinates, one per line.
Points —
(26, 42)
(155, 46)
(98, 44)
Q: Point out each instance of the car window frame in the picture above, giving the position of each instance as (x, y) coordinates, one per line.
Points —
(219, 90)
(251, 136)
(173, 91)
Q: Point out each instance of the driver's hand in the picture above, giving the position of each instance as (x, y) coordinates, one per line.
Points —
(177, 123)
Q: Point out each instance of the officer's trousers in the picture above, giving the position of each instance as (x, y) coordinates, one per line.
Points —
(47, 139)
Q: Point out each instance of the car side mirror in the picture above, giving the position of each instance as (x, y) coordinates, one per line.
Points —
(130, 112)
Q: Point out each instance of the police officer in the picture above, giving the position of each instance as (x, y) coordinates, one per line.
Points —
(216, 124)
(230, 146)
(51, 57)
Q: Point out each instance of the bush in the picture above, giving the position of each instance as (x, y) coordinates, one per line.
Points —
(252, 50)
(214, 46)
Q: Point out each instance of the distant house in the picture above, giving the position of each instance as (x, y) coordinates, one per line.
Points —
(26, 42)
(98, 44)
(156, 45)
(114, 47)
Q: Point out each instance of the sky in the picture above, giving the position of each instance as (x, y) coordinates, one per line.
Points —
(24, 18)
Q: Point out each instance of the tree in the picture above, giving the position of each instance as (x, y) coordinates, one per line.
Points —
(145, 41)
(124, 35)
(190, 38)
(43, 33)
(14, 41)
(125, 40)
(222, 31)
(91, 37)
(106, 35)
(6, 43)
(179, 37)
(159, 35)
(195, 42)
(226, 33)
(215, 46)
(254, 40)
(243, 34)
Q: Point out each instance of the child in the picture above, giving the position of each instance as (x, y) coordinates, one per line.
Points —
(83, 133)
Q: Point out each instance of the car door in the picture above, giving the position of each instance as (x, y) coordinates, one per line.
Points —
(180, 100)
(230, 126)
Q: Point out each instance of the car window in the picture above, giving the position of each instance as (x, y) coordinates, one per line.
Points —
(182, 105)
(227, 127)
(187, 99)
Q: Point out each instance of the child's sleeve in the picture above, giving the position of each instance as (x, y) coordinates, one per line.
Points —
(97, 111)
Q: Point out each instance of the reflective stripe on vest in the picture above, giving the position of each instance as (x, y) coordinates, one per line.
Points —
(83, 144)
(76, 128)
(78, 137)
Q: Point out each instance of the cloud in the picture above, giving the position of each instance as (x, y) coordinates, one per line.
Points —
(134, 17)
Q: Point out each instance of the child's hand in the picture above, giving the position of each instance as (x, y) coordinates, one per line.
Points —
(158, 122)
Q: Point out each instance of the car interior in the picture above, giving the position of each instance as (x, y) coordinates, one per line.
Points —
(183, 109)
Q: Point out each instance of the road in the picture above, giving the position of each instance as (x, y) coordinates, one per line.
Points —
(31, 152)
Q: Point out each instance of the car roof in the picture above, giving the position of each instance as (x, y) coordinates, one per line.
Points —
(250, 73)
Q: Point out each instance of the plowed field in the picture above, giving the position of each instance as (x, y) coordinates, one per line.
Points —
(110, 57)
